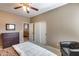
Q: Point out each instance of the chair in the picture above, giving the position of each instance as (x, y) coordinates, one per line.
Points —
(69, 48)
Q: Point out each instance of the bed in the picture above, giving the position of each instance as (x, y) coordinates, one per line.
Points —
(27, 49)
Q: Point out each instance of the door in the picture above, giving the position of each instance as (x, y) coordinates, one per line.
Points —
(26, 32)
(40, 32)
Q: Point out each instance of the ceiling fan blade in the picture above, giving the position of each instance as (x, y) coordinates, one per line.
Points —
(17, 7)
(34, 8)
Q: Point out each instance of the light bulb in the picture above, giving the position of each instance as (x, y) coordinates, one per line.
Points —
(24, 8)
(28, 8)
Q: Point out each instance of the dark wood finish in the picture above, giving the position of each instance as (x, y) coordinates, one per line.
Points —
(26, 30)
(17, 7)
(34, 8)
(10, 39)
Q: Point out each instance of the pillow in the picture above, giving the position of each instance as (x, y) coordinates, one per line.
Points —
(74, 45)
(65, 44)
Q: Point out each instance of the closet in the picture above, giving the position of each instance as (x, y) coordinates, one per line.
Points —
(37, 32)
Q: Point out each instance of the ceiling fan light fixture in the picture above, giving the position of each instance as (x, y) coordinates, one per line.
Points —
(28, 8)
(24, 8)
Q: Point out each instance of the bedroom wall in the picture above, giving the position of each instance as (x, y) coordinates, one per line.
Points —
(12, 19)
(62, 24)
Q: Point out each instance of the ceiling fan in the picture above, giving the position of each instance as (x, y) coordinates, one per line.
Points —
(26, 7)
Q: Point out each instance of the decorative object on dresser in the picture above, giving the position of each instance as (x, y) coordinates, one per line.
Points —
(9, 39)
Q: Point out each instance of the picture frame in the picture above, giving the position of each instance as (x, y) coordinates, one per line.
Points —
(10, 26)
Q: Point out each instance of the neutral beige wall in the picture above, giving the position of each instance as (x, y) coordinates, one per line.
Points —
(62, 24)
(12, 19)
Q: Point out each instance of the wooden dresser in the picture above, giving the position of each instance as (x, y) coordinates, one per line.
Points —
(9, 39)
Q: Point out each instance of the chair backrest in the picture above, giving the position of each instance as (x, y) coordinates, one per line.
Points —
(66, 46)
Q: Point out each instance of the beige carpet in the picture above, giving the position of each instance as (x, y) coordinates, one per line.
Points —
(8, 52)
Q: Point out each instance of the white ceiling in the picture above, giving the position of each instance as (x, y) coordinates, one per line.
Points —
(43, 7)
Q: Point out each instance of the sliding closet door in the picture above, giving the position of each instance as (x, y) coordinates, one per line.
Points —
(40, 32)
(31, 32)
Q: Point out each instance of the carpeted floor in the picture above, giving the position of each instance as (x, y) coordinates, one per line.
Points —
(8, 52)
